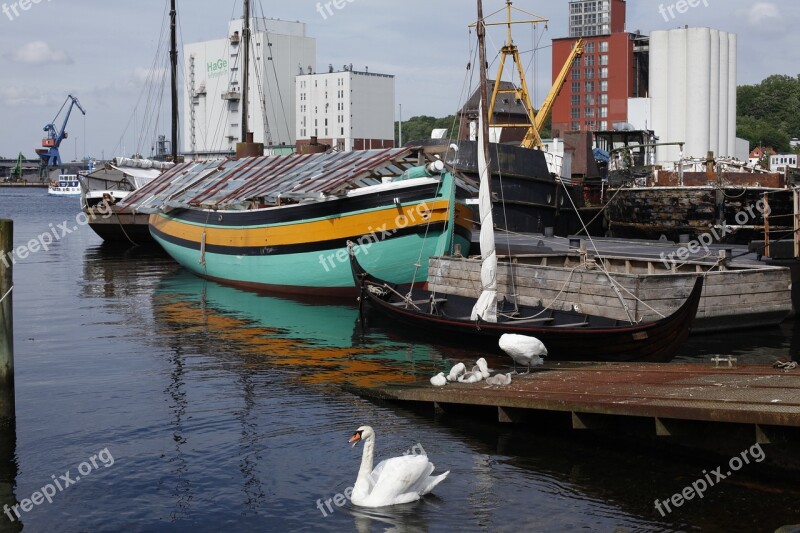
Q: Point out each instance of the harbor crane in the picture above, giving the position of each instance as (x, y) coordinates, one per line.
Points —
(50, 157)
(536, 120)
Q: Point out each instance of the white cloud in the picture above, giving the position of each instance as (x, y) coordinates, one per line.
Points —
(25, 97)
(762, 13)
(38, 53)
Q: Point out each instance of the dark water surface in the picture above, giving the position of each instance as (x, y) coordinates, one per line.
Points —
(208, 408)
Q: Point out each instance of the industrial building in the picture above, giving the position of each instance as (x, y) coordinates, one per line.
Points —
(345, 109)
(612, 68)
(280, 50)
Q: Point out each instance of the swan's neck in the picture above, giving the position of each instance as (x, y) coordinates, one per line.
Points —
(362, 482)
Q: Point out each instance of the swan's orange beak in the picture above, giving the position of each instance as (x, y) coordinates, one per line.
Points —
(355, 438)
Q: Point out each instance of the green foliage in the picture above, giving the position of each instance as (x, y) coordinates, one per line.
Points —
(767, 112)
(419, 128)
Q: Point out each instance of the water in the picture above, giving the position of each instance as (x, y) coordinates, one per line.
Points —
(223, 409)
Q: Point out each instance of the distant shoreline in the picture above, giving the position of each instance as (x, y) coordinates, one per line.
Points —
(25, 184)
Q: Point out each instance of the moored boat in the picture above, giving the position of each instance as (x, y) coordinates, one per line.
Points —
(67, 185)
(281, 223)
(736, 294)
(568, 335)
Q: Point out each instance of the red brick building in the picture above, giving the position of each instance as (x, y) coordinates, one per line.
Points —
(612, 68)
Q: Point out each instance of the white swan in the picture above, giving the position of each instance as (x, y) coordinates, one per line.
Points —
(523, 349)
(394, 481)
(456, 371)
(439, 380)
(499, 379)
(481, 363)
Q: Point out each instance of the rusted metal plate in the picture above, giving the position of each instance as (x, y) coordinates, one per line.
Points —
(226, 183)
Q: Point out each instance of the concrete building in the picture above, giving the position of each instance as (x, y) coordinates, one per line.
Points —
(780, 162)
(212, 69)
(693, 92)
(345, 109)
(612, 69)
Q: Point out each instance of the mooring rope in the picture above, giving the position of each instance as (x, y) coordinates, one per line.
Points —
(6, 294)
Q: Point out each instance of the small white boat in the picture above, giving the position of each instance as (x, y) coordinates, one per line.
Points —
(67, 185)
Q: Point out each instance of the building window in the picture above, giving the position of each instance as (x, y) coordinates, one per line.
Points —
(604, 72)
(576, 8)
(588, 73)
(588, 48)
(575, 126)
(576, 99)
(603, 99)
(603, 86)
(590, 125)
(588, 61)
(342, 133)
(603, 60)
(576, 112)
(576, 87)
(588, 87)
(588, 112)
(576, 73)
(603, 46)
(603, 112)
(604, 125)
(589, 99)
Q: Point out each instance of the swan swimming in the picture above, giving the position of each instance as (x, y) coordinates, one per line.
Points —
(394, 481)
(523, 349)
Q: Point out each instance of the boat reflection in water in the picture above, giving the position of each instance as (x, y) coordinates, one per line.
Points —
(321, 341)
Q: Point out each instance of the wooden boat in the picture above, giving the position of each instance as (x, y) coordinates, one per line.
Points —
(736, 294)
(568, 335)
(281, 223)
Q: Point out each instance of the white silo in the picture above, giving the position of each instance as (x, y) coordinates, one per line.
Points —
(676, 99)
(699, 104)
(713, 91)
(732, 70)
(724, 93)
(698, 91)
(659, 81)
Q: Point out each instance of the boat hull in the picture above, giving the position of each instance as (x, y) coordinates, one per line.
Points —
(301, 249)
(596, 339)
(735, 295)
(120, 227)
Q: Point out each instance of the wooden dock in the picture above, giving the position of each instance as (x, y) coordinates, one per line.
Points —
(719, 409)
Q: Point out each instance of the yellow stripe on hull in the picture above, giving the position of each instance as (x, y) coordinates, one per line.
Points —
(347, 226)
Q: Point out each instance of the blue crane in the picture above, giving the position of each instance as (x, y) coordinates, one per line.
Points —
(49, 151)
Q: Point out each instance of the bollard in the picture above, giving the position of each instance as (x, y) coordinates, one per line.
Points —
(6, 324)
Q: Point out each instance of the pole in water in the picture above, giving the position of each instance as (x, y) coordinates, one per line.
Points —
(7, 411)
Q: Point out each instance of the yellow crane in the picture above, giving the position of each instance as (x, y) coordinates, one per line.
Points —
(535, 120)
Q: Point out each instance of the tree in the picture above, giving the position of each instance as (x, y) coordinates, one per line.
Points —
(420, 128)
(767, 112)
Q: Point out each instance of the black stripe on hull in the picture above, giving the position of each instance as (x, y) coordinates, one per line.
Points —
(300, 213)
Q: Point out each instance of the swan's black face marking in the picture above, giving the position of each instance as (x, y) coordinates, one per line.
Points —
(356, 437)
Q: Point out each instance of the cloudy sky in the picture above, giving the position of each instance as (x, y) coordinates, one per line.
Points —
(102, 51)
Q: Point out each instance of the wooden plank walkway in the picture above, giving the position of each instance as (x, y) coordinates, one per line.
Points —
(697, 392)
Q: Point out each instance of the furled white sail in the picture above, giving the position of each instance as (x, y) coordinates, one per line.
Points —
(486, 306)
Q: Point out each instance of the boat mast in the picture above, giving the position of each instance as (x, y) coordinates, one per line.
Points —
(173, 60)
(484, 107)
(486, 307)
(245, 69)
